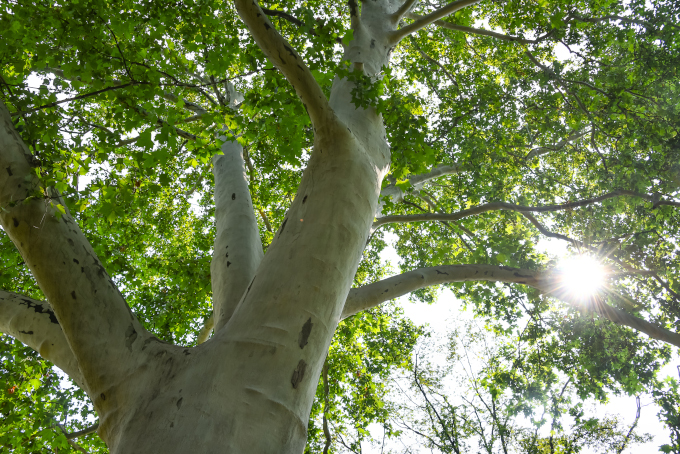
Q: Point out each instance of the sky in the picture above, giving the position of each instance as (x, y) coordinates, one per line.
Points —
(447, 312)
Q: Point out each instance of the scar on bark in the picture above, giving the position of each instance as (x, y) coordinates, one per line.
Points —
(283, 226)
(130, 336)
(9, 171)
(179, 403)
(305, 332)
(298, 373)
(233, 196)
(304, 199)
(16, 222)
(40, 310)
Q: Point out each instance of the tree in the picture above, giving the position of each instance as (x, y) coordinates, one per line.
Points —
(454, 125)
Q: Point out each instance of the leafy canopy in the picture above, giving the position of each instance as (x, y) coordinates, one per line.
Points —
(537, 102)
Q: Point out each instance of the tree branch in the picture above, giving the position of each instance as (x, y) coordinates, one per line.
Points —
(237, 251)
(284, 57)
(403, 11)
(97, 323)
(86, 95)
(539, 151)
(371, 295)
(417, 181)
(518, 208)
(424, 21)
(549, 282)
(477, 31)
(33, 323)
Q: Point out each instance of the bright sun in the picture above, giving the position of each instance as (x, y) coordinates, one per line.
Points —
(582, 275)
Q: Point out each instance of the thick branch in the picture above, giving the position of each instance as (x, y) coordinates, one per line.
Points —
(493, 206)
(371, 295)
(549, 282)
(33, 323)
(424, 21)
(238, 249)
(102, 332)
(284, 57)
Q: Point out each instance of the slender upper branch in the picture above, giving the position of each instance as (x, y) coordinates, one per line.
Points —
(477, 31)
(424, 21)
(549, 282)
(33, 323)
(539, 151)
(518, 208)
(287, 60)
(417, 181)
(403, 11)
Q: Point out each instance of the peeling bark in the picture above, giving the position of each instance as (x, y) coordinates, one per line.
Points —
(33, 323)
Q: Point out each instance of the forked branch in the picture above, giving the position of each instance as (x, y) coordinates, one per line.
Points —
(424, 21)
(403, 10)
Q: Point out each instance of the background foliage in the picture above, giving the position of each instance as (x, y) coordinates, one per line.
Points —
(578, 99)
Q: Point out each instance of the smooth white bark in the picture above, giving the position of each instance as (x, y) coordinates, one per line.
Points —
(237, 249)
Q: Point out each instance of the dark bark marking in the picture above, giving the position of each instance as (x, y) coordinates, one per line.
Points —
(73, 294)
(70, 241)
(283, 226)
(130, 336)
(442, 272)
(267, 26)
(187, 353)
(290, 51)
(9, 171)
(304, 199)
(179, 403)
(386, 290)
(233, 196)
(76, 261)
(226, 256)
(305, 332)
(251, 284)
(16, 222)
(26, 332)
(228, 263)
(372, 43)
(102, 396)
(298, 373)
(82, 269)
(522, 275)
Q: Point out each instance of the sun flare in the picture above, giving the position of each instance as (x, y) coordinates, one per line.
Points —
(582, 275)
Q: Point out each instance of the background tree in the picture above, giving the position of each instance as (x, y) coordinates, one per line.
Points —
(140, 192)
